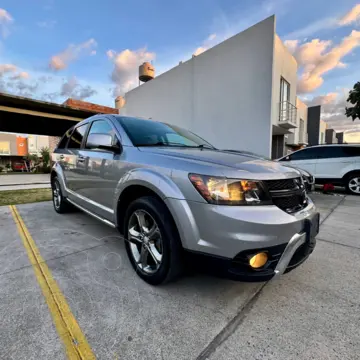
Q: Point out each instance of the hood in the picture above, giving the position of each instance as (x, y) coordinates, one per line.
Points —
(232, 161)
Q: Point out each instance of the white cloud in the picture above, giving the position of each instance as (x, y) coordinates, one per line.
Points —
(333, 110)
(71, 53)
(21, 75)
(318, 57)
(291, 45)
(351, 17)
(207, 44)
(71, 88)
(126, 65)
(7, 68)
(5, 20)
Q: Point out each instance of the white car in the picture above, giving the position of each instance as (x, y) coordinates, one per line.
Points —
(337, 164)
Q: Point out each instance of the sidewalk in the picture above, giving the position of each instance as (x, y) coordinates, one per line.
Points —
(24, 181)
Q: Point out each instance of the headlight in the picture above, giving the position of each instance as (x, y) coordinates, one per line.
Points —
(223, 191)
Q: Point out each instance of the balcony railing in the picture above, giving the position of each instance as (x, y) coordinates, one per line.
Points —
(287, 114)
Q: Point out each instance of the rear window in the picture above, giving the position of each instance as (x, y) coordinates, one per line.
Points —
(352, 150)
(64, 140)
(77, 137)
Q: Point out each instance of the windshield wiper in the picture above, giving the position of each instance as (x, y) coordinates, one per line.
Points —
(205, 146)
(162, 143)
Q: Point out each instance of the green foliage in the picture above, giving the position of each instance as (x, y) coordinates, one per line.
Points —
(45, 154)
(1, 168)
(354, 99)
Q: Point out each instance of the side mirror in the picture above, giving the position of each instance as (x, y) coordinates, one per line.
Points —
(102, 141)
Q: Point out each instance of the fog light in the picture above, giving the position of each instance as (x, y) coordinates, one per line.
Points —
(258, 260)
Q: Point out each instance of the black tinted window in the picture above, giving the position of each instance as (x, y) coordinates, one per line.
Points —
(76, 137)
(327, 152)
(151, 133)
(352, 150)
(309, 153)
(65, 139)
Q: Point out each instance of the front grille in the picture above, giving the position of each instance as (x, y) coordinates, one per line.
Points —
(288, 194)
(284, 184)
(291, 203)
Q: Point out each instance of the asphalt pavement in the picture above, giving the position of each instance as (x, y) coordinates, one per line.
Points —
(310, 313)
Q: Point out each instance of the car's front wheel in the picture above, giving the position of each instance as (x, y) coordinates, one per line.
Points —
(152, 241)
(353, 184)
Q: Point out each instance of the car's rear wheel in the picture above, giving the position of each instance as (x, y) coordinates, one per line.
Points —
(152, 241)
(60, 204)
(353, 184)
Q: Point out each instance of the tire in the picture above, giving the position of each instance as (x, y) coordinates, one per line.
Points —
(162, 244)
(60, 204)
(352, 184)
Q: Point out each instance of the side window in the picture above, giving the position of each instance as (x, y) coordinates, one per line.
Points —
(77, 137)
(300, 155)
(328, 152)
(351, 150)
(64, 140)
(102, 127)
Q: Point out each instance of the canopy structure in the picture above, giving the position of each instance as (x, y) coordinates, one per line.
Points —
(27, 116)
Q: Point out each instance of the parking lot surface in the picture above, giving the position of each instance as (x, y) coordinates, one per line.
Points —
(310, 313)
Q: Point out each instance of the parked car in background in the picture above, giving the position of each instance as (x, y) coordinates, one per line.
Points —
(308, 178)
(19, 166)
(337, 164)
(170, 193)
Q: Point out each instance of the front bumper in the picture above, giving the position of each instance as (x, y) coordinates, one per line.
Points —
(228, 235)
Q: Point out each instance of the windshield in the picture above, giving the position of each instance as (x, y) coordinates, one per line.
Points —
(152, 133)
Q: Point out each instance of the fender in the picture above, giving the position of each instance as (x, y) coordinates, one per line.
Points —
(159, 183)
(58, 171)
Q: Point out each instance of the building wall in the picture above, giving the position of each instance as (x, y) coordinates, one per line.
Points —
(10, 139)
(296, 138)
(322, 132)
(284, 66)
(314, 124)
(21, 146)
(53, 142)
(224, 94)
(36, 143)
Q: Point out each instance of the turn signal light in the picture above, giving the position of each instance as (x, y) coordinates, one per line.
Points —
(259, 260)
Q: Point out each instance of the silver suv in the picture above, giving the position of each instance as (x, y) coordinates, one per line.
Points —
(173, 197)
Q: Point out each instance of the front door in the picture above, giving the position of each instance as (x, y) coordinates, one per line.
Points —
(102, 172)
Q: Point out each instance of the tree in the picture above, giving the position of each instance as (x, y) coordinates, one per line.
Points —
(354, 98)
(45, 155)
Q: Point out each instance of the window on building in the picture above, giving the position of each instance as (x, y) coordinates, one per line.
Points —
(284, 90)
(77, 137)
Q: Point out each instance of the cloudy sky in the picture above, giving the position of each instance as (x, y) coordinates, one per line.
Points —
(55, 49)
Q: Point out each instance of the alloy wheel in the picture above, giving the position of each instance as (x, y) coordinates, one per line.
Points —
(145, 242)
(56, 194)
(354, 185)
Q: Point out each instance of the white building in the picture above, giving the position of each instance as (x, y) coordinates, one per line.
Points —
(322, 131)
(36, 143)
(299, 137)
(240, 94)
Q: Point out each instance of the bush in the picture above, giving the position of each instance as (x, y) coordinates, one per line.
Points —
(46, 169)
(1, 168)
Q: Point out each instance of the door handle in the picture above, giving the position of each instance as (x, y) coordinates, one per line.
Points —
(61, 157)
(81, 159)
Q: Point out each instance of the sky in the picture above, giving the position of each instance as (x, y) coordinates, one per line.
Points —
(55, 49)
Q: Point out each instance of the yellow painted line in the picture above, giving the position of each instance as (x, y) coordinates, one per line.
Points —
(66, 325)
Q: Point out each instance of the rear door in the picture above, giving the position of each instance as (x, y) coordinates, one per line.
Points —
(73, 161)
(302, 159)
(334, 161)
